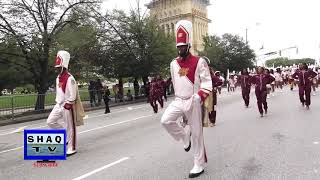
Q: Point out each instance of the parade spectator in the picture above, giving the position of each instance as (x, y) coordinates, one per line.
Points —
(92, 93)
(106, 99)
(169, 85)
(136, 87)
(129, 95)
(99, 91)
(115, 90)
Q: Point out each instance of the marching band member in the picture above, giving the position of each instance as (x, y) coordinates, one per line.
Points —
(245, 83)
(261, 80)
(192, 85)
(216, 82)
(305, 77)
(68, 112)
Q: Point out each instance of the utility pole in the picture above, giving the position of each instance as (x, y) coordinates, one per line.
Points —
(246, 35)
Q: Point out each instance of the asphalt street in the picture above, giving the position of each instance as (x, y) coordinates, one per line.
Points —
(130, 143)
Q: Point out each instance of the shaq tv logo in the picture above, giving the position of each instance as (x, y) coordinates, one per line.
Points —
(44, 144)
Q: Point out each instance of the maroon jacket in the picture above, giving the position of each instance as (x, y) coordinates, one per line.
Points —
(261, 81)
(216, 81)
(305, 77)
(245, 81)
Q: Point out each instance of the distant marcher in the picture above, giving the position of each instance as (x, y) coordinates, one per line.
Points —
(305, 77)
(261, 79)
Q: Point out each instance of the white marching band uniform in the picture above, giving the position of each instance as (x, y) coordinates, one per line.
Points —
(187, 102)
(60, 117)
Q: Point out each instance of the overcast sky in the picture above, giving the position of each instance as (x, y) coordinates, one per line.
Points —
(275, 24)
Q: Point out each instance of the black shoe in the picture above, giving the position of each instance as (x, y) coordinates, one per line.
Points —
(188, 148)
(261, 114)
(196, 174)
(302, 104)
(265, 111)
(308, 107)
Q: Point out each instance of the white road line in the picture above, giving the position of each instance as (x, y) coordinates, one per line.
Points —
(87, 131)
(19, 130)
(88, 115)
(100, 169)
(11, 149)
(114, 124)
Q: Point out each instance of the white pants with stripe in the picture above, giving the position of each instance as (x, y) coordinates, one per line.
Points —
(61, 118)
(191, 109)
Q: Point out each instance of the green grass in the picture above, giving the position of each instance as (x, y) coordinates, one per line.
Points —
(29, 100)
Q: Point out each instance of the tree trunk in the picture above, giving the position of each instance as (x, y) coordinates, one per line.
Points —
(40, 104)
(43, 79)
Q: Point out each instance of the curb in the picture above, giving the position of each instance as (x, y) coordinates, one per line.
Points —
(39, 116)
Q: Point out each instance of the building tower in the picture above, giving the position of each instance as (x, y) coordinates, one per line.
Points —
(169, 12)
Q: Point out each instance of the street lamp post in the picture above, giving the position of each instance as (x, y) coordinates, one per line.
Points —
(257, 24)
(246, 35)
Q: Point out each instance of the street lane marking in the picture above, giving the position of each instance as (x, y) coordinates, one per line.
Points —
(17, 130)
(114, 124)
(8, 150)
(116, 112)
(100, 169)
(122, 122)
(316, 142)
(20, 129)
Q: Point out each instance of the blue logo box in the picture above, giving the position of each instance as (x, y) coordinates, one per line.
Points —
(45, 144)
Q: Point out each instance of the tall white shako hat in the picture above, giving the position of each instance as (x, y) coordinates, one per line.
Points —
(62, 59)
(183, 33)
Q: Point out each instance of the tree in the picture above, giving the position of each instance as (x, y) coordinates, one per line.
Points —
(281, 61)
(228, 52)
(133, 46)
(12, 73)
(34, 24)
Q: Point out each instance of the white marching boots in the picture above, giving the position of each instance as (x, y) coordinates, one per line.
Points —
(70, 150)
(196, 171)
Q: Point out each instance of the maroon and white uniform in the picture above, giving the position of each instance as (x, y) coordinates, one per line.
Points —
(61, 116)
(192, 83)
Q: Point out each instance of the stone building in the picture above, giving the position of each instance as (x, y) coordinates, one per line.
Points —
(169, 12)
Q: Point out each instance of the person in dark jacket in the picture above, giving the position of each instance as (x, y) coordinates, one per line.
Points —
(154, 95)
(106, 99)
(261, 79)
(216, 82)
(99, 90)
(245, 83)
(305, 77)
(92, 93)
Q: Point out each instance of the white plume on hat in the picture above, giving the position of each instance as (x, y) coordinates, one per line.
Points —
(62, 59)
(183, 33)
